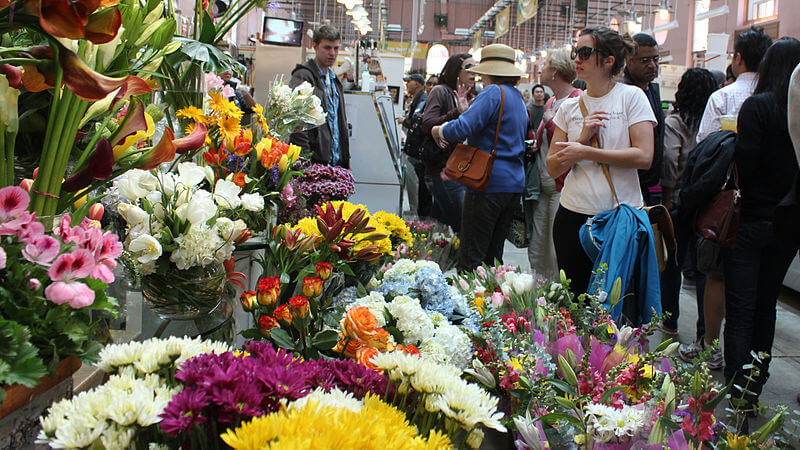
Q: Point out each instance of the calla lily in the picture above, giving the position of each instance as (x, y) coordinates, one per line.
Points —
(76, 19)
(135, 126)
(13, 74)
(164, 151)
(100, 166)
(195, 139)
(103, 25)
(92, 86)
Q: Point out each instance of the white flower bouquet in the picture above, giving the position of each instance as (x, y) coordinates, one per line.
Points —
(177, 237)
(289, 110)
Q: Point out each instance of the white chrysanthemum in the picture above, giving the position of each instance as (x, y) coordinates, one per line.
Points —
(78, 432)
(448, 345)
(112, 356)
(376, 305)
(196, 247)
(335, 398)
(607, 423)
(117, 437)
(412, 321)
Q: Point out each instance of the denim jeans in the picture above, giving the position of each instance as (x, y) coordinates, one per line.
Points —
(671, 280)
(484, 227)
(448, 200)
(754, 272)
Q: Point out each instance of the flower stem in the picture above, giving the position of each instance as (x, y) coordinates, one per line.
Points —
(47, 158)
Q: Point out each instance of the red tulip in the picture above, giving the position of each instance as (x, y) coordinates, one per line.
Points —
(96, 211)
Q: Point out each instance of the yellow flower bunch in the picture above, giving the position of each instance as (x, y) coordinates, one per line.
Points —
(309, 227)
(376, 426)
(396, 226)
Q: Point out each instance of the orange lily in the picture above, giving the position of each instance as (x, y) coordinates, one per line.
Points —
(164, 151)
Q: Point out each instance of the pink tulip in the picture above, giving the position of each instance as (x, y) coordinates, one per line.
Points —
(77, 294)
(41, 249)
(96, 212)
(71, 266)
(3, 258)
(13, 201)
(497, 299)
(26, 184)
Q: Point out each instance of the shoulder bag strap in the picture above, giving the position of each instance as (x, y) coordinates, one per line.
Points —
(499, 119)
(596, 144)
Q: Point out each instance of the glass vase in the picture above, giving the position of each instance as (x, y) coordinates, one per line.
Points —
(185, 294)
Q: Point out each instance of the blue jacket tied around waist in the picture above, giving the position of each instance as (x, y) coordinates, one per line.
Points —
(622, 239)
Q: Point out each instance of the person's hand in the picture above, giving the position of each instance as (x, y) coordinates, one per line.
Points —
(569, 153)
(591, 125)
(461, 97)
(436, 132)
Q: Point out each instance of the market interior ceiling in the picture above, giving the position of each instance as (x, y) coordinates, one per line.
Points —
(555, 23)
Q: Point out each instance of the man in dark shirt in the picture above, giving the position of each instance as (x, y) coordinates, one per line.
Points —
(415, 85)
(640, 70)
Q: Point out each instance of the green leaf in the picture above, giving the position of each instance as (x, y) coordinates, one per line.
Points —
(553, 418)
(252, 333)
(207, 29)
(562, 386)
(396, 334)
(282, 338)
(325, 340)
(712, 404)
(607, 395)
(565, 403)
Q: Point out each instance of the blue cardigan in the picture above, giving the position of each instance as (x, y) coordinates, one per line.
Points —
(478, 124)
(622, 238)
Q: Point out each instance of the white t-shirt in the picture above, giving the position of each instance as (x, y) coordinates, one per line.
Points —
(586, 190)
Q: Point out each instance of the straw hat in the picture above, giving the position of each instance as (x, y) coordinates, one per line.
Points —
(497, 60)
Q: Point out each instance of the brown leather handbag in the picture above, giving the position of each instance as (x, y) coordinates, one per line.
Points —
(718, 221)
(472, 166)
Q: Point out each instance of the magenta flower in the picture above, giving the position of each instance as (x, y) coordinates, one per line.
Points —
(13, 201)
(42, 249)
(184, 411)
(3, 258)
(31, 229)
(67, 268)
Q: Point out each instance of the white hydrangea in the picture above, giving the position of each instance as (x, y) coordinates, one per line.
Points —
(197, 247)
(448, 345)
(404, 269)
(376, 305)
(412, 320)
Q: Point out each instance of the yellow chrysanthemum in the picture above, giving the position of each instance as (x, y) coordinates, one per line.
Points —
(377, 426)
(308, 226)
(396, 226)
(192, 113)
(229, 128)
(217, 103)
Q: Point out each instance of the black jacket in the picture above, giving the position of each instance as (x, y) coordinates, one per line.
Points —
(652, 176)
(317, 141)
(412, 108)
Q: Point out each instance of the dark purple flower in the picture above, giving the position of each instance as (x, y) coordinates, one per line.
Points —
(236, 163)
(184, 411)
(282, 382)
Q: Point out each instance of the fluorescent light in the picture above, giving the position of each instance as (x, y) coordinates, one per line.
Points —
(461, 32)
(349, 4)
(667, 26)
(393, 27)
(716, 12)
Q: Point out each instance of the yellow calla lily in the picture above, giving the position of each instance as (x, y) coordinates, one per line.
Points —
(134, 138)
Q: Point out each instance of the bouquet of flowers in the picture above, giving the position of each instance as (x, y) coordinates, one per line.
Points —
(430, 241)
(50, 282)
(289, 110)
(173, 223)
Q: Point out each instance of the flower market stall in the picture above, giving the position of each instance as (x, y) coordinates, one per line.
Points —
(306, 320)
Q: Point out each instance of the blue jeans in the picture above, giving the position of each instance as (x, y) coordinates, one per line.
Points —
(754, 272)
(448, 200)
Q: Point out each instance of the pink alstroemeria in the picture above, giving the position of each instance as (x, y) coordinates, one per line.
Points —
(13, 201)
(67, 268)
(3, 258)
(212, 81)
(41, 249)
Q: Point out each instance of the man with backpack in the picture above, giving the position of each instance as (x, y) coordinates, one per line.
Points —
(415, 180)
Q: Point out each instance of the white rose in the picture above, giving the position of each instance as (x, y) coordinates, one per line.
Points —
(191, 174)
(146, 247)
(224, 227)
(226, 194)
(252, 202)
(200, 208)
(132, 214)
(129, 188)
(167, 183)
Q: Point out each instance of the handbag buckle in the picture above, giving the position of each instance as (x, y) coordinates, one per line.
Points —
(462, 167)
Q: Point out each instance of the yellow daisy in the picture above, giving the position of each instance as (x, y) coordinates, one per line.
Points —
(229, 128)
(192, 113)
(217, 102)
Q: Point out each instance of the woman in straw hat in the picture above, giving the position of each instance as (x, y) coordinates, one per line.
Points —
(486, 216)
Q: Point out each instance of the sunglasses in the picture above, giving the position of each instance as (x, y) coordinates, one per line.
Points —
(583, 53)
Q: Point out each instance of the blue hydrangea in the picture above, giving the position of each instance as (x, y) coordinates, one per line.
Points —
(345, 298)
(395, 287)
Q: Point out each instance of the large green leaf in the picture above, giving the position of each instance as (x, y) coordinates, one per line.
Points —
(207, 29)
(282, 338)
(325, 340)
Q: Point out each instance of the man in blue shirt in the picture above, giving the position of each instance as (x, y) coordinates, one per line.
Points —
(328, 143)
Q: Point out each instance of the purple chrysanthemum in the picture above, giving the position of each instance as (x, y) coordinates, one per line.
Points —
(184, 411)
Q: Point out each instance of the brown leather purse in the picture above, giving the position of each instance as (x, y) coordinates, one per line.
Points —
(472, 166)
(718, 221)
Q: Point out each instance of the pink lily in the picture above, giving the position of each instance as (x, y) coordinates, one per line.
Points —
(66, 269)
(41, 249)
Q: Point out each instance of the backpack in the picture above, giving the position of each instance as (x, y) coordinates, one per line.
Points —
(415, 136)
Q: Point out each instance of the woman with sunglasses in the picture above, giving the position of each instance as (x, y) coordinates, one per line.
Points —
(446, 102)
(621, 119)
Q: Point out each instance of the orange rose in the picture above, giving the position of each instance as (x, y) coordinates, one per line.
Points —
(411, 349)
(249, 300)
(380, 340)
(298, 306)
(324, 270)
(312, 286)
(365, 355)
(350, 350)
(282, 314)
(268, 290)
(267, 323)
(359, 324)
